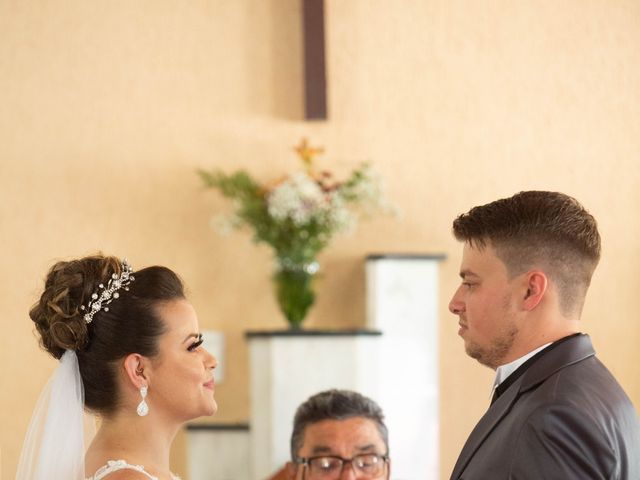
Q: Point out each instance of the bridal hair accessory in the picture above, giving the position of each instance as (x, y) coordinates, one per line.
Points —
(116, 282)
(59, 431)
(143, 408)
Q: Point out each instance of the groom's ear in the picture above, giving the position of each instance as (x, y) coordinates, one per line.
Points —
(134, 367)
(536, 287)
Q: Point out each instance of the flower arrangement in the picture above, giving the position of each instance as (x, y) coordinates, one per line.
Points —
(298, 216)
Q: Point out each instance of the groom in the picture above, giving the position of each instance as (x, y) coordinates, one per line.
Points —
(556, 412)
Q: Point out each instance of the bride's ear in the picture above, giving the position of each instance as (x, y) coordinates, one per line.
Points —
(134, 367)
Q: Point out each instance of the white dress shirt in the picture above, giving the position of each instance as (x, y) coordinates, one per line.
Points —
(503, 371)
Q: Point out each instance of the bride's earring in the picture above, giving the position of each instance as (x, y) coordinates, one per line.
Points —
(143, 408)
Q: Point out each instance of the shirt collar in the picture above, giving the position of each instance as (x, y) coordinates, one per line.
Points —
(503, 371)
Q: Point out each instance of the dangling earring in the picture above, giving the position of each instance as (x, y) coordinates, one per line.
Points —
(143, 408)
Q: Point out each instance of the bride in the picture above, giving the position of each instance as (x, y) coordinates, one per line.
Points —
(130, 351)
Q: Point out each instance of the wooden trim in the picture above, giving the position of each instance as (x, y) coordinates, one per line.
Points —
(360, 332)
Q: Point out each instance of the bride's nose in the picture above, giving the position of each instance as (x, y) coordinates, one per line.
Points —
(210, 361)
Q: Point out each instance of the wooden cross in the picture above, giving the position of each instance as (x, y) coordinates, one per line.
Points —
(315, 79)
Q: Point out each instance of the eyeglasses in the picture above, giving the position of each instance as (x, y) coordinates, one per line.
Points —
(329, 467)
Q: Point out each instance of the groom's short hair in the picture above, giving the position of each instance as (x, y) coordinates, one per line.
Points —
(537, 229)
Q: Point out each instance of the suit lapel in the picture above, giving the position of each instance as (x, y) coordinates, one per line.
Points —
(572, 351)
(496, 412)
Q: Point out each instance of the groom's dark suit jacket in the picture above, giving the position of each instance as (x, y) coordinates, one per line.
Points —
(564, 418)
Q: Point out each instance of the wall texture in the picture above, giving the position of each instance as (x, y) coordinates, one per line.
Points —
(108, 109)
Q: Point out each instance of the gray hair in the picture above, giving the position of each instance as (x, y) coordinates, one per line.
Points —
(335, 405)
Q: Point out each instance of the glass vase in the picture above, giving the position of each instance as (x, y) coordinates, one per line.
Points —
(294, 289)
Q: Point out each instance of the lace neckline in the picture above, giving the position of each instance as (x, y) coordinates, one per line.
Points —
(115, 465)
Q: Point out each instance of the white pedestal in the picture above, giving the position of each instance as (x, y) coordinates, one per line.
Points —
(402, 292)
(288, 367)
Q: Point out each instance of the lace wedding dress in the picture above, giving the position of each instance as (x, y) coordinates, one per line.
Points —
(116, 465)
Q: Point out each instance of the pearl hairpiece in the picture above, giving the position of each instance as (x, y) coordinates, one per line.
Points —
(116, 282)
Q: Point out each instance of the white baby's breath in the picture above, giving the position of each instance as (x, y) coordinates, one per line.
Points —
(299, 215)
(298, 198)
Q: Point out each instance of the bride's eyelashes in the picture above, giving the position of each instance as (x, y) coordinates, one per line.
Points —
(196, 344)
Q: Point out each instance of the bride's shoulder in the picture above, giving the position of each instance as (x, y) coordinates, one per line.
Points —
(123, 475)
(121, 470)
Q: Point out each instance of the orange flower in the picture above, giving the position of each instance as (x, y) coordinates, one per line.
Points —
(307, 153)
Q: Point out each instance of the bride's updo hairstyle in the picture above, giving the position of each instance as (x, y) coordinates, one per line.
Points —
(131, 324)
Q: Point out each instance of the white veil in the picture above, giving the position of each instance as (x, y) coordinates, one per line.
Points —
(55, 441)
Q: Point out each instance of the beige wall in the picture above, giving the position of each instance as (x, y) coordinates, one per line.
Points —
(106, 110)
